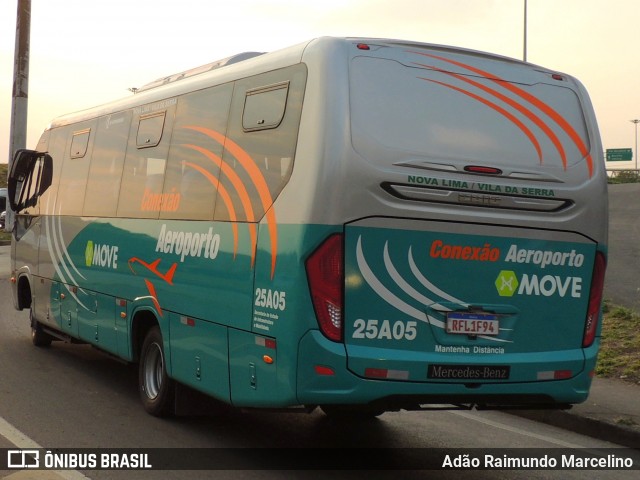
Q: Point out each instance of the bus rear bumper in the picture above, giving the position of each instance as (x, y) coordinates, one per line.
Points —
(324, 379)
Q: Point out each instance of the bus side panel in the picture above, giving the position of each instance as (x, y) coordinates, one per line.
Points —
(282, 307)
(96, 323)
(253, 370)
(46, 301)
(199, 355)
(132, 261)
(197, 269)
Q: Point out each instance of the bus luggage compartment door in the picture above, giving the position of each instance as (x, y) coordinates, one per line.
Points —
(429, 301)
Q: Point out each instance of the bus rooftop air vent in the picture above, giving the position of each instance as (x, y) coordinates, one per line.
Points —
(240, 57)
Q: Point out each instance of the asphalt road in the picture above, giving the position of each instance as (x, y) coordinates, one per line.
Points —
(622, 284)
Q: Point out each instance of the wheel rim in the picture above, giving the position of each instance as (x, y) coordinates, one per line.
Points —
(153, 371)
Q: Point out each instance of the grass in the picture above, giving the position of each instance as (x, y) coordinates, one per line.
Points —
(626, 421)
(619, 355)
(624, 176)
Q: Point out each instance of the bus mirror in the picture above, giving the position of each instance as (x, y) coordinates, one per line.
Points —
(22, 175)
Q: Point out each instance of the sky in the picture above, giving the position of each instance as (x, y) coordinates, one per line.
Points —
(86, 53)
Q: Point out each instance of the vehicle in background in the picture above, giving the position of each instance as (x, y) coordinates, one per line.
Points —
(3, 207)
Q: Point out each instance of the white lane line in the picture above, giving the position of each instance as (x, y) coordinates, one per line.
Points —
(22, 441)
(519, 431)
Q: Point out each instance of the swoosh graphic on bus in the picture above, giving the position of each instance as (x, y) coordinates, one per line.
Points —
(428, 285)
(257, 179)
(512, 118)
(62, 251)
(536, 102)
(239, 187)
(384, 293)
(518, 106)
(525, 111)
(393, 300)
(57, 254)
(226, 199)
(403, 284)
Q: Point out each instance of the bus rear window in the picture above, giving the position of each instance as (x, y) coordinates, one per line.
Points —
(401, 112)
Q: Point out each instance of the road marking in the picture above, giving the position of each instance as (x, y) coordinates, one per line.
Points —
(22, 441)
(520, 431)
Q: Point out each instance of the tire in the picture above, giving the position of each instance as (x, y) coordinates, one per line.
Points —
(155, 387)
(38, 336)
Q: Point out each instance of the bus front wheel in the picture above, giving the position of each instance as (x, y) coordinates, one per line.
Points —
(156, 388)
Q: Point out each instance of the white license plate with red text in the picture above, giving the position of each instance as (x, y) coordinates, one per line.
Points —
(468, 323)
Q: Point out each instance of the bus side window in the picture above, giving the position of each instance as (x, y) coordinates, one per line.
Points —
(264, 122)
(150, 130)
(145, 162)
(75, 170)
(80, 143)
(193, 168)
(105, 172)
(264, 107)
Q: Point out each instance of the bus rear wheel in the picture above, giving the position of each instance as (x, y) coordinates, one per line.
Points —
(38, 336)
(156, 388)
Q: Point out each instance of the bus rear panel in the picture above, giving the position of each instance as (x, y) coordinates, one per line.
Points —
(475, 241)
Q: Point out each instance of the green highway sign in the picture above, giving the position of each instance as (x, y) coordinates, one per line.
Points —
(619, 154)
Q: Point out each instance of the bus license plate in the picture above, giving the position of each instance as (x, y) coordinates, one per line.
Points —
(465, 323)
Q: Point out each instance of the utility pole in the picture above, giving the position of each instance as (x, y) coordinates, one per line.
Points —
(20, 78)
(20, 97)
(524, 54)
(635, 153)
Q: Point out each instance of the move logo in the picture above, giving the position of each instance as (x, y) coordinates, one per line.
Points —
(508, 285)
(98, 255)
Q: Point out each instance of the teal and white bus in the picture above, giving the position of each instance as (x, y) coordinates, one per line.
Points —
(364, 225)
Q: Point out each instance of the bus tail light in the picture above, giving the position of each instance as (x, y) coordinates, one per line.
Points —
(555, 375)
(325, 273)
(595, 299)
